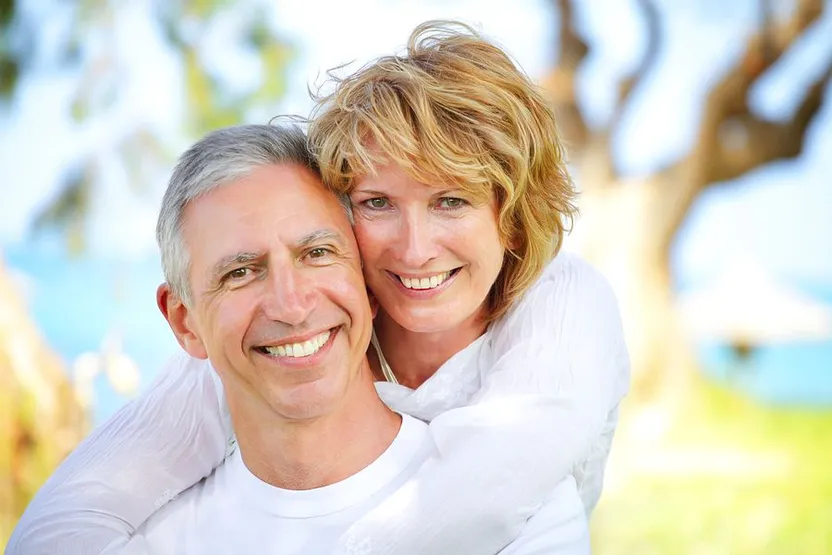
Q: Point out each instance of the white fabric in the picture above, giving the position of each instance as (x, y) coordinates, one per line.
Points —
(531, 401)
(233, 511)
(559, 527)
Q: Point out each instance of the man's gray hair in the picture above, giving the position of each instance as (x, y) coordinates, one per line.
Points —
(219, 158)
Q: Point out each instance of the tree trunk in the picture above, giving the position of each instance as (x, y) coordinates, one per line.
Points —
(619, 232)
(627, 226)
(40, 418)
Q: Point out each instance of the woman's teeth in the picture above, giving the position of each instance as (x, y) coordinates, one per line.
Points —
(425, 282)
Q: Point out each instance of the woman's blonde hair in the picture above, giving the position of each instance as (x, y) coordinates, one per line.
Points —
(454, 109)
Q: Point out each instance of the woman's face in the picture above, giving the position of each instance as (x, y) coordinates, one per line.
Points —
(430, 252)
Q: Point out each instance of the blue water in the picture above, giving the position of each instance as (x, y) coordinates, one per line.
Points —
(76, 300)
(789, 374)
(798, 374)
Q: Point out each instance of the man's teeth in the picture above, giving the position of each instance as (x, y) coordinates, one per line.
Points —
(297, 350)
(425, 282)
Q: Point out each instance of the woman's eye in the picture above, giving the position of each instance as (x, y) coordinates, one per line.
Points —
(451, 203)
(376, 203)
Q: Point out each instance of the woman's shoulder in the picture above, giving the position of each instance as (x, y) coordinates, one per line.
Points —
(569, 288)
(571, 268)
(567, 280)
(571, 305)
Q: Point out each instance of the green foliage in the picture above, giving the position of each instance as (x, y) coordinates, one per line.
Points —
(66, 211)
(210, 99)
(203, 9)
(211, 102)
(9, 71)
(40, 417)
(777, 499)
(9, 65)
(7, 9)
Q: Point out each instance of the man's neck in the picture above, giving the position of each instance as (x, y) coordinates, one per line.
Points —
(321, 451)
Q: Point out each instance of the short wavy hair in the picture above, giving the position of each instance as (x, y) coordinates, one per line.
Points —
(454, 108)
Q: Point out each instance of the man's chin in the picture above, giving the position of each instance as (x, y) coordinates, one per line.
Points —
(306, 401)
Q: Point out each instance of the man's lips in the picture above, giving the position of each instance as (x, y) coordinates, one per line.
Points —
(298, 347)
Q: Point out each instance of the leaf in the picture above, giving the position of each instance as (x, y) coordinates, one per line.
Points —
(9, 72)
(204, 9)
(7, 11)
(275, 58)
(67, 212)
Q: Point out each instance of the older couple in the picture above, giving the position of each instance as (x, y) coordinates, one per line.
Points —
(481, 419)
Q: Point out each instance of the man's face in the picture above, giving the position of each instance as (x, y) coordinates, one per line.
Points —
(279, 303)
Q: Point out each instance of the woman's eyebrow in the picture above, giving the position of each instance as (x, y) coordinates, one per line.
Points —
(369, 191)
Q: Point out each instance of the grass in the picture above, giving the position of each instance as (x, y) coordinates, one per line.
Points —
(728, 477)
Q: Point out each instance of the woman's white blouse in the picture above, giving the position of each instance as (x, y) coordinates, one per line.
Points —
(531, 401)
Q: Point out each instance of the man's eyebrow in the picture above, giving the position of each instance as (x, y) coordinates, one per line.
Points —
(233, 260)
(319, 236)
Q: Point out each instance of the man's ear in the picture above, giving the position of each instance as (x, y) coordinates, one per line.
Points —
(181, 320)
(373, 303)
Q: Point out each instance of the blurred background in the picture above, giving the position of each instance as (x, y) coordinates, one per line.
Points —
(700, 135)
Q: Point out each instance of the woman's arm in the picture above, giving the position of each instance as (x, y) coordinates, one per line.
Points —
(155, 447)
(560, 527)
(558, 371)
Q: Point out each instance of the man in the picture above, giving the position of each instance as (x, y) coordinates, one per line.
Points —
(264, 279)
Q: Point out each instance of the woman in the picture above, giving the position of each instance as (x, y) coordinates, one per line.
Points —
(451, 162)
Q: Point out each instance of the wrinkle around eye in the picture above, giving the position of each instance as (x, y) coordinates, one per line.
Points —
(459, 203)
(372, 203)
(231, 282)
(231, 275)
(327, 255)
(364, 212)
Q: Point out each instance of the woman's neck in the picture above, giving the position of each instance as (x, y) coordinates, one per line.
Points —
(416, 356)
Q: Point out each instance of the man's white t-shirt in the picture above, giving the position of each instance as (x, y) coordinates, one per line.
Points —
(561, 343)
(233, 511)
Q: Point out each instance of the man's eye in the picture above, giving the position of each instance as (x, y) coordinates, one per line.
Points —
(238, 273)
(318, 253)
(450, 203)
(376, 203)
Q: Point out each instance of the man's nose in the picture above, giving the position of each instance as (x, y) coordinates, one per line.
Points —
(291, 295)
(416, 245)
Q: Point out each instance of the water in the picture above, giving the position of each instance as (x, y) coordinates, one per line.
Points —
(77, 301)
(798, 374)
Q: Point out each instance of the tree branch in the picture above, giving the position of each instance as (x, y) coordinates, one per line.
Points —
(733, 141)
(727, 119)
(560, 83)
(625, 89)
(763, 142)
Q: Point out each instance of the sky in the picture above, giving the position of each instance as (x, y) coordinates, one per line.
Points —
(776, 216)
